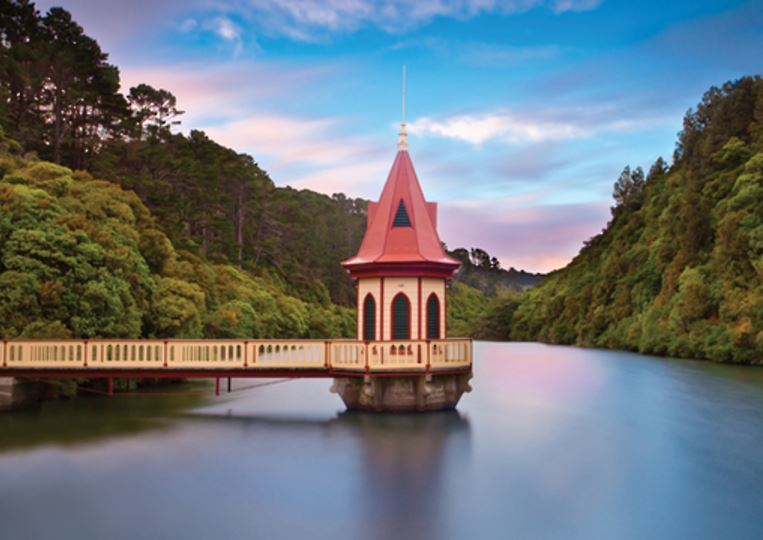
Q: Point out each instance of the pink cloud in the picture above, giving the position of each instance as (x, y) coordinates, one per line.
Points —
(536, 238)
(363, 179)
(224, 90)
(311, 153)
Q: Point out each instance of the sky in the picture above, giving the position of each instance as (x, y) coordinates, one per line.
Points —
(521, 113)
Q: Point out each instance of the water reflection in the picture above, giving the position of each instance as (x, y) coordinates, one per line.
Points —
(407, 462)
(88, 418)
(554, 442)
(403, 461)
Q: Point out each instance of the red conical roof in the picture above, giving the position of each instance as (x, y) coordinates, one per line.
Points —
(393, 245)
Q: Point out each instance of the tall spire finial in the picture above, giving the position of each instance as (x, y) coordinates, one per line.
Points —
(402, 138)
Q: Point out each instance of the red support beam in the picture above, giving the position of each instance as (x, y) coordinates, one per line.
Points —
(381, 310)
(419, 308)
(94, 373)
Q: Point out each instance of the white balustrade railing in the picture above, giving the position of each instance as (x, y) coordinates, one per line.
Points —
(149, 354)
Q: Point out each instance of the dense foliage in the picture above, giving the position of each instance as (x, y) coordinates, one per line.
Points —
(59, 98)
(82, 257)
(679, 269)
(186, 238)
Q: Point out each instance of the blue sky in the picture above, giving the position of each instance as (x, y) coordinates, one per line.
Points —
(522, 113)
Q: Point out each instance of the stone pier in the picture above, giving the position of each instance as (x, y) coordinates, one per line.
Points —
(414, 393)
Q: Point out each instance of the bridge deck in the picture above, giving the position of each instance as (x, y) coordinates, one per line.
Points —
(182, 358)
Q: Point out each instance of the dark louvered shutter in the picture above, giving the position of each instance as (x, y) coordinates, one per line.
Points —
(401, 216)
(433, 317)
(401, 317)
(369, 319)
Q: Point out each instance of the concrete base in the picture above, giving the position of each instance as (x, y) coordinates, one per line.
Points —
(410, 393)
(15, 394)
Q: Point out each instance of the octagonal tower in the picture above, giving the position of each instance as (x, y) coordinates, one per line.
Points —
(401, 271)
(401, 268)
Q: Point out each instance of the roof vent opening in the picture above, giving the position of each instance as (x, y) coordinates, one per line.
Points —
(401, 216)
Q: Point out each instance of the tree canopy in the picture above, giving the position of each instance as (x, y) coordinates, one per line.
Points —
(679, 269)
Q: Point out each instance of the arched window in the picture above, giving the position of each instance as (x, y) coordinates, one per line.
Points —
(369, 318)
(401, 317)
(433, 317)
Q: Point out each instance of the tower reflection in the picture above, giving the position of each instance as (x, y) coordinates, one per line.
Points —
(410, 471)
(401, 472)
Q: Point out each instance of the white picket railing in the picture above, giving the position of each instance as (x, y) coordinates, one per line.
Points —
(304, 354)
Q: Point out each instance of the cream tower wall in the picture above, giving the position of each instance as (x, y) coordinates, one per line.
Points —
(416, 289)
(429, 286)
(393, 286)
(365, 286)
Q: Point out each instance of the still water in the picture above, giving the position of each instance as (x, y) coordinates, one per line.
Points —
(554, 442)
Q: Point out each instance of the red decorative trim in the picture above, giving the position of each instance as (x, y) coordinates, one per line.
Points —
(411, 269)
(445, 310)
(419, 317)
(392, 319)
(358, 327)
(235, 373)
(381, 310)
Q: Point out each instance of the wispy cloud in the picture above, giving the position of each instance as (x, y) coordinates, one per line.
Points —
(312, 153)
(563, 6)
(480, 53)
(225, 91)
(291, 139)
(187, 24)
(117, 23)
(229, 31)
(528, 127)
(244, 105)
(309, 20)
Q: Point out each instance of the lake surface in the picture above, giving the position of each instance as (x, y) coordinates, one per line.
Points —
(554, 442)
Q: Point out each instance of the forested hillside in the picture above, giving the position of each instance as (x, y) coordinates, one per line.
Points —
(180, 222)
(82, 257)
(61, 100)
(679, 268)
